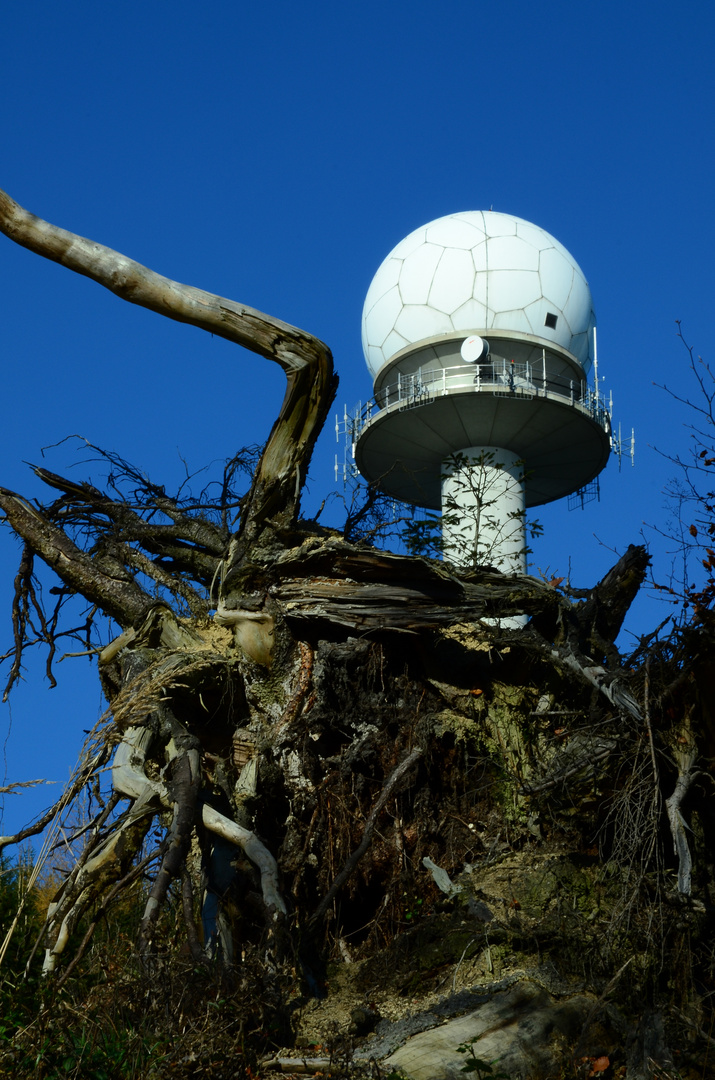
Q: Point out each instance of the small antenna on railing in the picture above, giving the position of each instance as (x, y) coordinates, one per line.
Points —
(619, 449)
(595, 362)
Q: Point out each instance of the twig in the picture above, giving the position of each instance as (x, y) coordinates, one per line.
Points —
(695, 1027)
(646, 713)
(362, 847)
(299, 1065)
(10, 789)
(82, 777)
(459, 964)
(597, 1004)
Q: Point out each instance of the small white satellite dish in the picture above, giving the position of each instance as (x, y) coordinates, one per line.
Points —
(474, 348)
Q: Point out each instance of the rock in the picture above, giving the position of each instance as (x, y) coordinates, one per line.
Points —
(524, 1030)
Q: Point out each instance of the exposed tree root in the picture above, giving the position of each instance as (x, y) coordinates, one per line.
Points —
(276, 691)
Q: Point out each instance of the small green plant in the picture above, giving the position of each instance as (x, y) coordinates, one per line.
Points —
(477, 527)
(422, 535)
(484, 1069)
(413, 908)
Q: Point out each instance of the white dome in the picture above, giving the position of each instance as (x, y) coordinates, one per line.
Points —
(471, 273)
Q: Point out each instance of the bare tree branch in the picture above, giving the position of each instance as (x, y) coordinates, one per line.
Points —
(306, 361)
(112, 587)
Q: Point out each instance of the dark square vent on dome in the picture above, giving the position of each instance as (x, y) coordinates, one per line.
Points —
(551, 320)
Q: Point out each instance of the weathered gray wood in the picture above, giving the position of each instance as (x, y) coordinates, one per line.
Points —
(306, 361)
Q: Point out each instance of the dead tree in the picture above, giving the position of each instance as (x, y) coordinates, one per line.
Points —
(274, 690)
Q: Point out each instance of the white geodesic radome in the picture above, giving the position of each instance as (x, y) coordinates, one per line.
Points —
(474, 272)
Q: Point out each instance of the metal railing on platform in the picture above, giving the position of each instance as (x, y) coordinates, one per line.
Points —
(502, 378)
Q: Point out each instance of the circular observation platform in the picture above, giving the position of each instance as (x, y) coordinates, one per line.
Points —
(550, 420)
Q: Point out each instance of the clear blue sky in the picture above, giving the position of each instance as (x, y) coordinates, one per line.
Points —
(275, 153)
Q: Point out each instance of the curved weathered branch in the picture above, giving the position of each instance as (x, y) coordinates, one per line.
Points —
(112, 587)
(128, 778)
(306, 361)
(184, 790)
